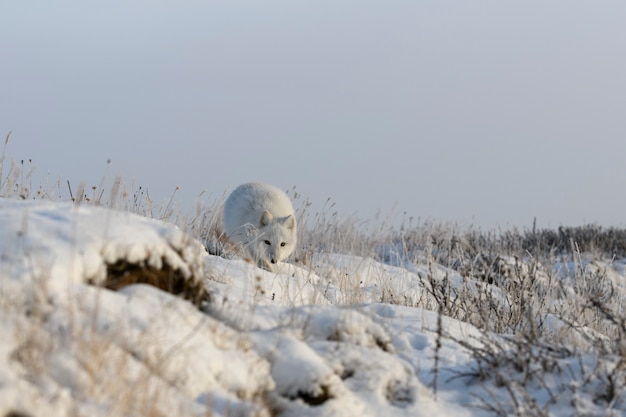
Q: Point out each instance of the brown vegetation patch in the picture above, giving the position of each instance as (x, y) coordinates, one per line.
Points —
(316, 397)
(123, 273)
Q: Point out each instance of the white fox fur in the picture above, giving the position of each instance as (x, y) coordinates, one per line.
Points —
(260, 220)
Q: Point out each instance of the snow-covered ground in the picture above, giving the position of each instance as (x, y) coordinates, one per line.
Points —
(344, 336)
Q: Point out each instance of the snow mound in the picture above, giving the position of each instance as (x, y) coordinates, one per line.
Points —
(338, 362)
(66, 243)
(139, 351)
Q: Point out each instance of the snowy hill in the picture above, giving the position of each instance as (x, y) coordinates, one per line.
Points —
(106, 313)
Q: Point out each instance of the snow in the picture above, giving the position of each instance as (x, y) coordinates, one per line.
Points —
(73, 243)
(327, 340)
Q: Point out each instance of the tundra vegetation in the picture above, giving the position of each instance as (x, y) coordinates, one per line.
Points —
(369, 317)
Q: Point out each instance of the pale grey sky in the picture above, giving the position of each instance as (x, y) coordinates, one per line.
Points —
(483, 112)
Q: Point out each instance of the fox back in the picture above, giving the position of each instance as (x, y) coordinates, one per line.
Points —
(260, 220)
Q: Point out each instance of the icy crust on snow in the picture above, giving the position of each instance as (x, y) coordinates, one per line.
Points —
(69, 243)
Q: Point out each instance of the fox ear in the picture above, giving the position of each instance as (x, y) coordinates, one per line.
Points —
(266, 218)
(290, 222)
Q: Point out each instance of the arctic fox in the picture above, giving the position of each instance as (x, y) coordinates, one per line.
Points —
(260, 220)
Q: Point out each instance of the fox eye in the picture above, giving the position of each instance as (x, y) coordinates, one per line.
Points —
(282, 244)
(267, 242)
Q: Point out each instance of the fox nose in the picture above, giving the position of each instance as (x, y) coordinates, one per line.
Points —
(273, 260)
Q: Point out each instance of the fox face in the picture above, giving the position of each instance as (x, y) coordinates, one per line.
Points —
(276, 239)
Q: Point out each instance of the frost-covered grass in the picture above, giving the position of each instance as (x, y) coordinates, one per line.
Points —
(111, 306)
